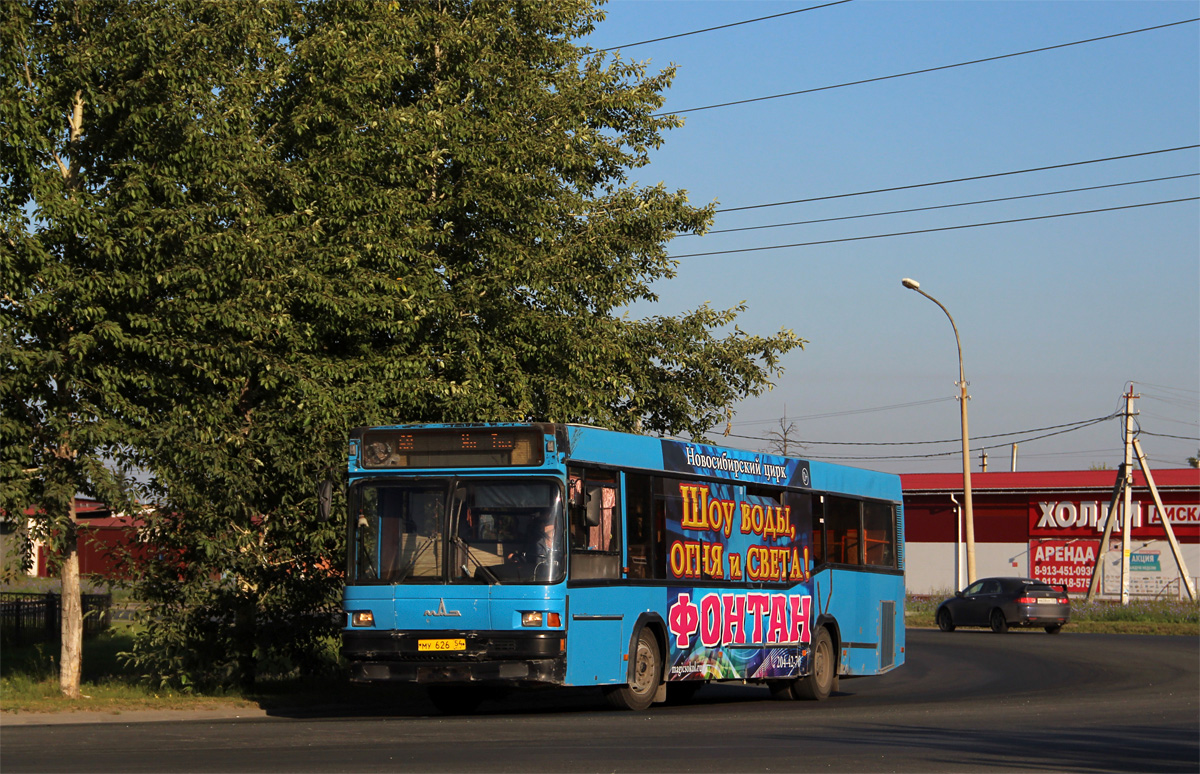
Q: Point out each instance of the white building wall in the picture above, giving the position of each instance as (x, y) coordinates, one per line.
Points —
(929, 567)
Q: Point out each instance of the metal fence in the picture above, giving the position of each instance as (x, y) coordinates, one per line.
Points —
(26, 618)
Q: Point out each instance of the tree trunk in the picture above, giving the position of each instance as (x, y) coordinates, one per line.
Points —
(70, 664)
(244, 641)
(71, 657)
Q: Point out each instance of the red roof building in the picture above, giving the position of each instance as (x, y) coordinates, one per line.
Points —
(107, 541)
(1048, 525)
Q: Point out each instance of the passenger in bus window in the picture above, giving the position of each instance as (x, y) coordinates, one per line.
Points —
(487, 527)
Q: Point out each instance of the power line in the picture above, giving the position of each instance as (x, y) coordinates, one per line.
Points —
(1075, 453)
(943, 206)
(1183, 403)
(932, 230)
(958, 179)
(982, 448)
(723, 26)
(845, 413)
(1188, 422)
(1164, 435)
(1078, 424)
(925, 70)
(1166, 387)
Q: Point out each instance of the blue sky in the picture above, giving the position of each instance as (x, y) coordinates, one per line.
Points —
(1056, 315)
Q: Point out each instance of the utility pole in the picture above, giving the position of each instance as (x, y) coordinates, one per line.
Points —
(1126, 521)
(1123, 491)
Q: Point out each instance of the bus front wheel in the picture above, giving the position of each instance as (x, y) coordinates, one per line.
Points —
(818, 683)
(639, 693)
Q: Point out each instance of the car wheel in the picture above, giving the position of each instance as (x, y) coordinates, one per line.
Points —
(999, 622)
(944, 621)
(1054, 629)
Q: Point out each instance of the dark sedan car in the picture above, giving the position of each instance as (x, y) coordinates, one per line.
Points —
(1004, 602)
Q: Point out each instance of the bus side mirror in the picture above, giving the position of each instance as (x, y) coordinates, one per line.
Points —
(324, 499)
(592, 513)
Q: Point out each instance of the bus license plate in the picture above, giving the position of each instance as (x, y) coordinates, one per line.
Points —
(441, 644)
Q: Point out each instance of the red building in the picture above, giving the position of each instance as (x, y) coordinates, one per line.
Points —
(1049, 525)
(106, 541)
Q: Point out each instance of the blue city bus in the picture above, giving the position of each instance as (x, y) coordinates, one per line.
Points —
(495, 556)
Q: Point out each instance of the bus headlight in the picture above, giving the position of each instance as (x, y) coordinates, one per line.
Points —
(538, 618)
(362, 618)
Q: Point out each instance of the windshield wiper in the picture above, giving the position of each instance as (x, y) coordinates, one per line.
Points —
(471, 555)
(359, 525)
(420, 552)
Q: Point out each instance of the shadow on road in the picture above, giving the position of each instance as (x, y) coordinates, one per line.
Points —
(407, 701)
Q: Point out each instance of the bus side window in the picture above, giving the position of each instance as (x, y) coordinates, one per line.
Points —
(639, 514)
(818, 531)
(879, 534)
(842, 530)
(808, 533)
(595, 512)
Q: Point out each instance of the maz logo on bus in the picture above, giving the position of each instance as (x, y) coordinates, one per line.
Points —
(443, 611)
(720, 619)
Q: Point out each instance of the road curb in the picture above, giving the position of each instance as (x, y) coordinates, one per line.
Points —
(9, 719)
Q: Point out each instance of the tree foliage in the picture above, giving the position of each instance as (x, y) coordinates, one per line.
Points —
(291, 218)
(64, 409)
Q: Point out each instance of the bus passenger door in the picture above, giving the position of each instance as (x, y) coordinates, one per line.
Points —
(597, 637)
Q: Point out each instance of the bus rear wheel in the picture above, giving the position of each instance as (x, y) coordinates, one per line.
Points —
(639, 693)
(818, 683)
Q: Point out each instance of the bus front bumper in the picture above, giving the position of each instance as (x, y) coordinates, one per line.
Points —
(488, 657)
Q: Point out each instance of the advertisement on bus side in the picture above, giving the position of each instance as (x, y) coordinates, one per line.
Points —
(718, 532)
(727, 635)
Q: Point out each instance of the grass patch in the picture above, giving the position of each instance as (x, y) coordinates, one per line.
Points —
(29, 682)
(1140, 616)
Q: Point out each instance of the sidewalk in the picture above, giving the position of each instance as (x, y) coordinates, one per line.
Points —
(9, 719)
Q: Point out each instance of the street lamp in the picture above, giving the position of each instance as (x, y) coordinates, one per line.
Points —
(968, 512)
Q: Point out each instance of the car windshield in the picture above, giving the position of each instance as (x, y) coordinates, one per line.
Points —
(465, 531)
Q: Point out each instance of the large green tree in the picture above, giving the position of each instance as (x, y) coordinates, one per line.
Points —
(296, 217)
(64, 413)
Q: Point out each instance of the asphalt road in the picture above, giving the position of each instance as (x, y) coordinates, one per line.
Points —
(967, 701)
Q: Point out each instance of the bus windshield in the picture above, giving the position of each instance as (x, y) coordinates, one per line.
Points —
(492, 531)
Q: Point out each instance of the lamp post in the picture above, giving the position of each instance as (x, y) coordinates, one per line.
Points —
(968, 512)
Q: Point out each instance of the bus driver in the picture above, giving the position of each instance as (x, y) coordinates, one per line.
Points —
(542, 551)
